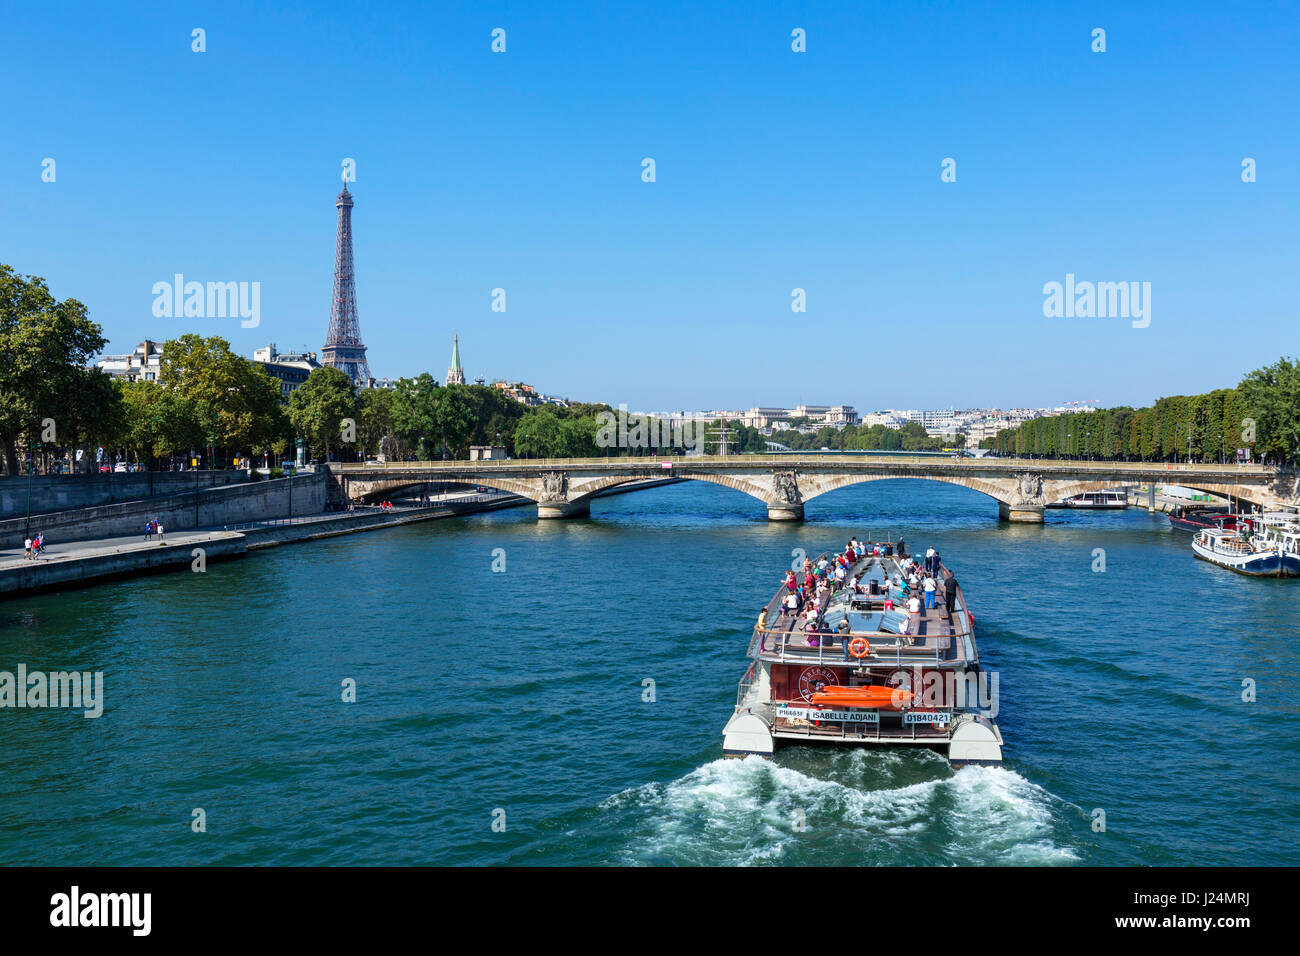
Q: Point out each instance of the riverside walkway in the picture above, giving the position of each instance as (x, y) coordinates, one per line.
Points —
(73, 563)
(64, 551)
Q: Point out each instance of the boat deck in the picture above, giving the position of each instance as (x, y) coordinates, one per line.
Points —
(938, 637)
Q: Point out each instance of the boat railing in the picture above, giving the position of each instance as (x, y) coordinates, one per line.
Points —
(777, 647)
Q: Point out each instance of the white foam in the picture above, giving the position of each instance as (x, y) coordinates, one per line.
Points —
(738, 812)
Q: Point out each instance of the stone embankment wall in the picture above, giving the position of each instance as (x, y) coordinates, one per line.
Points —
(211, 507)
(61, 492)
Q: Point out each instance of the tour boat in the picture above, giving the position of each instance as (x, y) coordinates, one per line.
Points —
(1257, 556)
(1094, 499)
(873, 684)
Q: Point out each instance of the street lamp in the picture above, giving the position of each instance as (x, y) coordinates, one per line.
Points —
(212, 441)
(31, 470)
(152, 422)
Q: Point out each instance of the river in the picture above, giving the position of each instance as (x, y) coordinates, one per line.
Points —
(500, 716)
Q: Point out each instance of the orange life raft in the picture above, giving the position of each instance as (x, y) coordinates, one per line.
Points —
(861, 696)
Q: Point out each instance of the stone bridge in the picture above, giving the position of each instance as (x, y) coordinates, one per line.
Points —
(1022, 488)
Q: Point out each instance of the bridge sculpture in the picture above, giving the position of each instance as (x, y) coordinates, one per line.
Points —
(1022, 488)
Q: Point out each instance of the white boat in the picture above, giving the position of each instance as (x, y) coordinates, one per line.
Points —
(1280, 530)
(1095, 499)
(1258, 556)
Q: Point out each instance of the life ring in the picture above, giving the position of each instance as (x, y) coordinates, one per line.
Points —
(859, 647)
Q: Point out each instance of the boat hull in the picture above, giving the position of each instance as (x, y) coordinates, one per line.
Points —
(1268, 564)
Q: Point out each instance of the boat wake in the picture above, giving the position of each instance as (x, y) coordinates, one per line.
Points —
(755, 812)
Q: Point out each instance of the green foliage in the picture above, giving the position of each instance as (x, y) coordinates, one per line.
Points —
(46, 345)
(1205, 426)
(911, 437)
(1273, 393)
(318, 406)
(742, 439)
(376, 411)
(223, 398)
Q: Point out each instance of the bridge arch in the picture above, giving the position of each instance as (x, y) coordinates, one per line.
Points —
(820, 486)
(1060, 490)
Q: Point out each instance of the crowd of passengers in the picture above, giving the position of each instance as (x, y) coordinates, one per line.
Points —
(808, 590)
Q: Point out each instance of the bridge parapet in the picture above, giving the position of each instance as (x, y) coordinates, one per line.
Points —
(1022, 487)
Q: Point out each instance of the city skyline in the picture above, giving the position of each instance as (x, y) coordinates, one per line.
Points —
(678, 292)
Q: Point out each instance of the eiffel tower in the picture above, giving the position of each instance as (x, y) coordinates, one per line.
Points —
(343, 349)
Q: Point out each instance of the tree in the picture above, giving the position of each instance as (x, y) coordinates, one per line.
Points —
(539, 433)
(415, 413)
(46, 345)
(318, 406)
(376, 422)
(225, 397)
(155, 421)
(455, 420)
(1273, 394)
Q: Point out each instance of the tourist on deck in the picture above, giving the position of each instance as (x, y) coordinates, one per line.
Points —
(913, 580)
(810, 632)
(913, 616)
(809, 582)
(822, 564)
(762, 629)
(853, 583)
(936, 561)
(930, 588)
(839, 576)
(929, 559)
(900, 549)
(950, 593)
(843, 629)
(792, 603)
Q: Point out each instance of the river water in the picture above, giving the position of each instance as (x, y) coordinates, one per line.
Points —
(500, 716)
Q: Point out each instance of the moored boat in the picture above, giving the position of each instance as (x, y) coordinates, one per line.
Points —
(1198, 519)
(1245, 554)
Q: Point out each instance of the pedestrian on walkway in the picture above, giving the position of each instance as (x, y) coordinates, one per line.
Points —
(40, 543)
(27, 547)
(159, 526)
(148, 529)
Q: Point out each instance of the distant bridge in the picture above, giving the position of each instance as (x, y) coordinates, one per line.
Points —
(1022, 487)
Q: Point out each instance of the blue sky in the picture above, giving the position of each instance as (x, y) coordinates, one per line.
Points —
(775, 170)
